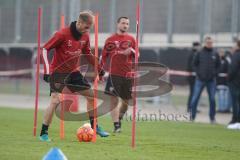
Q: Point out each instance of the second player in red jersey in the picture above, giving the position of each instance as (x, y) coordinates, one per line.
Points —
(120, 50)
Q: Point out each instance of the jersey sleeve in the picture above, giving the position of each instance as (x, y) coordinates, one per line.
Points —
(53, 42)
(133, 48)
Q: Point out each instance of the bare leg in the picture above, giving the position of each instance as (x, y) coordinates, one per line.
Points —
(115, 109)
(88, 94)
(47, 119)
(48, 114)
(123, 108)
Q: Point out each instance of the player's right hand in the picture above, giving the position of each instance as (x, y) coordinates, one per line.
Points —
(46, 78)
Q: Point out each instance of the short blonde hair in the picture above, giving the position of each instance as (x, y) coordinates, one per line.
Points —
(86, 16)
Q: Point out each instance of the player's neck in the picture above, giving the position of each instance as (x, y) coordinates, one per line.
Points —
(121, 33)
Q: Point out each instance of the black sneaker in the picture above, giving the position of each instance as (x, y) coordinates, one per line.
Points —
(117, 130)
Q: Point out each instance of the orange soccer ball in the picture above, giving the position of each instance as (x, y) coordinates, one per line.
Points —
(85, 133)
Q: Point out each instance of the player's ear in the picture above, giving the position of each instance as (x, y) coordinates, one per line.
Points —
(79, 22)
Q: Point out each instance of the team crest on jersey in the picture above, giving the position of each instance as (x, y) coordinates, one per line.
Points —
(69, 43)
(110, 46)
(125, 44)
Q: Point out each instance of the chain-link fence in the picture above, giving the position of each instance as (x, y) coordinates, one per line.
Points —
(170, 22)
(166, 18)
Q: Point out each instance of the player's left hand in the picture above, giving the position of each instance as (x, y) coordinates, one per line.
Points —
(127, 51)
(101, 73)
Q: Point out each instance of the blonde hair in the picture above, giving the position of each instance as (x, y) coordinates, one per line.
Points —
(86, 16)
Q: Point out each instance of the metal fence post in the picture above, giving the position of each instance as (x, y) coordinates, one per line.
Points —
(234, 19)
(170, 20)
(205, 18)
(72, 10)
(18, 21)
(54, 17)
(113, 16)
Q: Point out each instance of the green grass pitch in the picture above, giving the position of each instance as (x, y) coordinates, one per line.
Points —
(155, 140)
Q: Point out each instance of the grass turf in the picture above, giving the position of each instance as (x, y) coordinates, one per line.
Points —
(155, 140)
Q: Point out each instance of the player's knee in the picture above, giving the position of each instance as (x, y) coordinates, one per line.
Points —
(125, 102)
(90, 101)
(114, 101)
(55, 99)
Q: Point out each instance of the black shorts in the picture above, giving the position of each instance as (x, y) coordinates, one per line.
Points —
(74, 81)
(119, 86)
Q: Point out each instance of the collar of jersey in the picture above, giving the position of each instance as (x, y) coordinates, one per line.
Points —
(74, 31)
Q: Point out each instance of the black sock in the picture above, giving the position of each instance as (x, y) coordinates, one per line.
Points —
(44, 129)
(120, 122)
(116, 125)
(92, 122)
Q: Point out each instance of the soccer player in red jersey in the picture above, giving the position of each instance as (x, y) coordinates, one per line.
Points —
(120, 49)
(69, 44)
